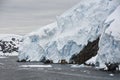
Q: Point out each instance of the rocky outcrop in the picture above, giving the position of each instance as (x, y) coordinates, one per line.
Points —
(9, 46)
(88, 52)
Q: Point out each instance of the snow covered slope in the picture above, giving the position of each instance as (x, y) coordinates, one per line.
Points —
(70, 33)
(109, 51)
(8, 37)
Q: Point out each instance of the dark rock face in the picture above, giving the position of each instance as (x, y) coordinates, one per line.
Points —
(48, 61)
(43, 60)
(88, 52)
(112, 67)
(9, 46)
(63, 61)
(21, 60)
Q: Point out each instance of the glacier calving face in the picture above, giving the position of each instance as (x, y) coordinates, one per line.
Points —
(71, 32)
(34, 51)
(109, 45)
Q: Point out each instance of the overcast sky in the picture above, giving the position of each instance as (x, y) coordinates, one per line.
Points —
(24, 16)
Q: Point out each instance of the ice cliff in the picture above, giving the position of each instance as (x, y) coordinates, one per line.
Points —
(109, 44)
(70, 33)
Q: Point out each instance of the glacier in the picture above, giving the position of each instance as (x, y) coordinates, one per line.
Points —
(109, 45)
(70, 33)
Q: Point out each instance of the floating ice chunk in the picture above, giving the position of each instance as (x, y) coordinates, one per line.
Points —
(36, 66)
(111, 74)
(77, 66)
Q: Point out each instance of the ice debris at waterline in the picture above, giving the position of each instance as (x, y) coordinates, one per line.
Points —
(70, 33)
(36, 66)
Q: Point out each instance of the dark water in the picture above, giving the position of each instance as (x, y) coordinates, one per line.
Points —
(11, 70)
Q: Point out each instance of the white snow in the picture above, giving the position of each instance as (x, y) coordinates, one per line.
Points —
(8, 37)
(92, 60)
(114, 29)
(36, 66)
(109, 45)
(70, 33)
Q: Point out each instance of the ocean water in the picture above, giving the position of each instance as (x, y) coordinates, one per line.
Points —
(24, 16)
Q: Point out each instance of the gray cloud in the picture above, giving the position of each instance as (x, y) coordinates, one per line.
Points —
(23, 16)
